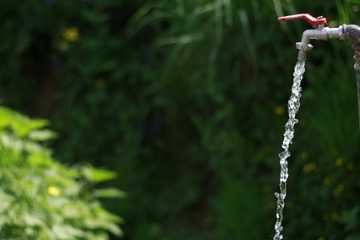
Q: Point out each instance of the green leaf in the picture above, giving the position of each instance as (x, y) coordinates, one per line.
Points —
(20, 124)
(97, 175)
(66, 232)
(42, 135)
(113, 228)
(109, 193)
(32, 220)
(109, 226)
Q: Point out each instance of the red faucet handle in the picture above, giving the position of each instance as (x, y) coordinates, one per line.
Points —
(313, 21)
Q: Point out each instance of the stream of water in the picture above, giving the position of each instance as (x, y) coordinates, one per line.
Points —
(293, 108)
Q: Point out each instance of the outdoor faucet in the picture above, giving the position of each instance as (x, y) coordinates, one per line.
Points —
(321, 32)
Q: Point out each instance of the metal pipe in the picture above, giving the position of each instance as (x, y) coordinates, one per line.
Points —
(352, 32)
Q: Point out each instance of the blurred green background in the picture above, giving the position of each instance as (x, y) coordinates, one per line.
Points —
(186, 102)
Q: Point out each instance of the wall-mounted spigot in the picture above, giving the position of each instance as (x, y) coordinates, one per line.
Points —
(319, 33)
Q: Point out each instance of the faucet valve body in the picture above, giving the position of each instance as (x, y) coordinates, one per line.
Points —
(321, 33)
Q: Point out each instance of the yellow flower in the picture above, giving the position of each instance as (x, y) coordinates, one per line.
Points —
(279, 110)
(53, 191)
(327, 181)
(71, 34)
(321, 238)
(338, 162)
(338, 190)
(310, 167)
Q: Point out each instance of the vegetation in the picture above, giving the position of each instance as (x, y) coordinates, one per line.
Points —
(43, 199)
(186, 101)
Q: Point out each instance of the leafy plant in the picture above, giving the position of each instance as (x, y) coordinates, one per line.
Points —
(42, 198)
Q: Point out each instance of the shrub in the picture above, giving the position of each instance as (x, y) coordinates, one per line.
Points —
(42, 198)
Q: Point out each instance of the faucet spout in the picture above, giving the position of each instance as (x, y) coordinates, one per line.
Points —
(321, 33)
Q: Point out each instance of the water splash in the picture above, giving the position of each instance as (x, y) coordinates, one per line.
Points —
(293, 108)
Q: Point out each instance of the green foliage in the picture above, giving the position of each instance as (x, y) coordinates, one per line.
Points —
(41, 198)
(186, 101)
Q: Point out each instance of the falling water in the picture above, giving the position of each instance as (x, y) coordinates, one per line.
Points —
(293, 107)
